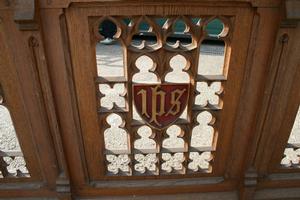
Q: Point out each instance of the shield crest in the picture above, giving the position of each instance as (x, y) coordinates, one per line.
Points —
(160, 105)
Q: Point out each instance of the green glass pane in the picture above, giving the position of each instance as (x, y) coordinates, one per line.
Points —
(179, 26)
(160, 21)
(196, 20)
(214, 28)
(144, 26)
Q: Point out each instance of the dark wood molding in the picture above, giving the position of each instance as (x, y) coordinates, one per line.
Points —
(157, 183)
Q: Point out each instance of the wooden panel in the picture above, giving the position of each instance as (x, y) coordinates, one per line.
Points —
(262, 38)
(284, 102)
(26, 87)
(81, 22)
(61, 78)
(61, 123)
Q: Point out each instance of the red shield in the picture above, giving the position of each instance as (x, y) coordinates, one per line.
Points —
(159, 105)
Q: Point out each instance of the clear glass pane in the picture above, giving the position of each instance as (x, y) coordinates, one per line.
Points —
(211, 58)
(109, 51)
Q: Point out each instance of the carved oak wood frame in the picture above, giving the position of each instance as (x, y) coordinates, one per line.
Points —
(49, 37)
(25, 85)
(81, 22)
(26, 109)
(281, 108)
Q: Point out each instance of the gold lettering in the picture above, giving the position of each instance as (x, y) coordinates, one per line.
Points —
(175, 96)
(155, 95)
(158, 98)
(144, 102)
